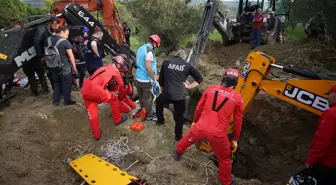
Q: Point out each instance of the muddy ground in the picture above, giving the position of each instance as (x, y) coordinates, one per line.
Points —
(37, 140)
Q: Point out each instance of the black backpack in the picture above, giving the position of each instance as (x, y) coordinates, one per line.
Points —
(52, 56)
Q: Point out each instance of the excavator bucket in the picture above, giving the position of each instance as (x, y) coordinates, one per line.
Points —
(97, 171)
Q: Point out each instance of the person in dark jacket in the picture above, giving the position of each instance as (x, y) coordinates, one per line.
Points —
(127, 33)
(321, 159)
(41, 34)
(63, 76)
(271, 21)
(172, 79)
(80, 60)
(316, 25)
(93, 57)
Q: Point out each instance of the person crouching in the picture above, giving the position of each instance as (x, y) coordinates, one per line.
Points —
(126, 104)
(96, 89)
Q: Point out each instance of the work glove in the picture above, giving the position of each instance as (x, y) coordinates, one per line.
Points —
(122, 93)
(156, 90)
(76, 75)
(234, 146)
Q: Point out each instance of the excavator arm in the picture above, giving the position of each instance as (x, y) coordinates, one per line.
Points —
(107, 9)
(16, 43)
(308, 91)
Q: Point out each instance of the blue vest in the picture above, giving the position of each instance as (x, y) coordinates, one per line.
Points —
(141, 74)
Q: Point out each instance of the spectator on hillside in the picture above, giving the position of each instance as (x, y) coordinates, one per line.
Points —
(316, 25)
(248, 13)
(127, 33)
(257, 25)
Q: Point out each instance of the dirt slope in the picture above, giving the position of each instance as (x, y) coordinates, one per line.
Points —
(37, 139)
(276, 135)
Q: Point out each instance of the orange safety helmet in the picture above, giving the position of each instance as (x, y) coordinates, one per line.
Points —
(119, 61)
(155, 38)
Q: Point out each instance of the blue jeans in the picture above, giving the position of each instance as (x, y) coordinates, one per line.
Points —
(256, 37)
(62, 85)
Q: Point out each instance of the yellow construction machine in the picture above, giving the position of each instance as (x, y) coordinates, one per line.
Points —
(308, 91)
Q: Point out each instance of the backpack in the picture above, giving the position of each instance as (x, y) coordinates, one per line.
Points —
(52, 57)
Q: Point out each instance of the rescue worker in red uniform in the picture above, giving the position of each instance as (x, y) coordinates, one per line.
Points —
(211, 118)
(126, 104)
(96, 89)
(321, 159)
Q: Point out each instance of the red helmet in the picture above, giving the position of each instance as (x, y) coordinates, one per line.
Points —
(156, 39)
(230, 78)
(119, 61)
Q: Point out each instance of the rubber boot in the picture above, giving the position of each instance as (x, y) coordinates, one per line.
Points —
(177, 156)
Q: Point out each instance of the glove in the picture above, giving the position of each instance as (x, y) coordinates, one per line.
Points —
(156, 90)
(122, 93)
(42, 60)
(76, 75)
(234, 146)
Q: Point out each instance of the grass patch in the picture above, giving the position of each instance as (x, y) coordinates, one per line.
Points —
(215, 36)
(296, 33)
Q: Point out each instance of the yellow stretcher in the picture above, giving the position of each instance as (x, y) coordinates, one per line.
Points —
(96, 171)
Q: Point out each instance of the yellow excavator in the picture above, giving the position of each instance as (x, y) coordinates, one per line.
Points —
(308, 91)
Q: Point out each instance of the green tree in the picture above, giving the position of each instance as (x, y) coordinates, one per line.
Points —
(172, 20)
(14, 10)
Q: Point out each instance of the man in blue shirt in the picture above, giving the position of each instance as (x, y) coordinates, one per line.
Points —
(145, 76)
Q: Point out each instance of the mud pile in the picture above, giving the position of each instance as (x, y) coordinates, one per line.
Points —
(37, 140)
(276, 135)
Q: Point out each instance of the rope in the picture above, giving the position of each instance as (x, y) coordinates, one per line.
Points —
(116, 150)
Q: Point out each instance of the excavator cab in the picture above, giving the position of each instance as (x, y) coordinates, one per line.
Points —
(240, 29)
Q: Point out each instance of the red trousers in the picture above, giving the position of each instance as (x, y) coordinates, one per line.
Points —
(220, 144)
(127, 105)
(91, 104)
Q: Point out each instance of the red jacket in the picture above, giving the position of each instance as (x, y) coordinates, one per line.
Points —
(258, 21)
(95, 86)
(211, 116)
(323, 149)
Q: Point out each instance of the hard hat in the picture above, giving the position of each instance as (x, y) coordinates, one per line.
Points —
(119, 61)
(156, 39)
(230, 78)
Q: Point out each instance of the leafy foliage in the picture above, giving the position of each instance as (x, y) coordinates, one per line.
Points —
(14, 10)
(303, 10)
(172, 20)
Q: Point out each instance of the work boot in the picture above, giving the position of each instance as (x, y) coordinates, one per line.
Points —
(233, 180)
(69, 103)
(159, 123)
(101, 133)
(151, 118)
(123, 119)
(177, 156)
(178, 138)
(136, 114)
